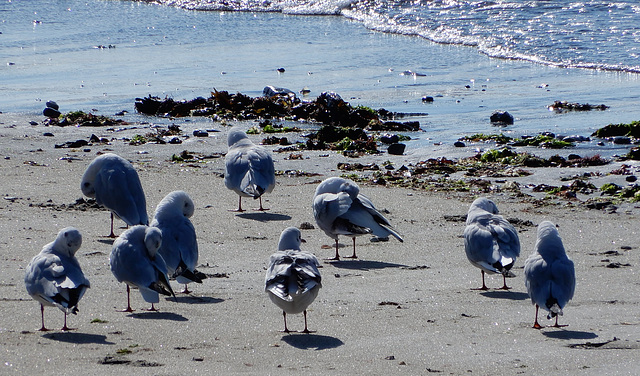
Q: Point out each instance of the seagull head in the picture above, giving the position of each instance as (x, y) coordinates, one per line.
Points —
(290, 239)
(152, 241)
(68, 241)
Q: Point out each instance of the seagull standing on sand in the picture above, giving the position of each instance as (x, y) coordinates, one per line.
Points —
(293, 279)
(54, 277)
(179, 247)
(340, 209)
(115, 184)
(249, 168)
(549, 274)
(490, 241)
(135, 261)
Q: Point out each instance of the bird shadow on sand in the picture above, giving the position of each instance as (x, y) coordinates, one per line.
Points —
(191, 299)
(365, 265)
(158, 316)
(570, 334)
(108, 241)
(78, 338)
(312, 341)
(502, 294)
(264, 216)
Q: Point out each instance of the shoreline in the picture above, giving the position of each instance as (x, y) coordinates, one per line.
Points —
(403, 307)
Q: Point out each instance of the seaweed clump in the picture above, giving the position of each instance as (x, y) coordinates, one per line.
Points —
(614, 130)
(83, 119)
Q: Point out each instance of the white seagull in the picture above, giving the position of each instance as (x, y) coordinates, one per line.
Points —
(490, 241)
(115, 184)
(54, 277)
(293, 279)
(340, 209)
(135, 261)
(549, 274)
(249, 168)
(179, 247)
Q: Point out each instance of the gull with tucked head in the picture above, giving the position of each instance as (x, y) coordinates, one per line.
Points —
(340, 209)
(115, 184)
(54, 277)
(179, 247)
(135, 261)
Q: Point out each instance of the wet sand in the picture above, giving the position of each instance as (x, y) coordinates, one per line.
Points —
(401, 308)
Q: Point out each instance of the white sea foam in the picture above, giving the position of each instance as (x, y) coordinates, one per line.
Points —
(596, 34)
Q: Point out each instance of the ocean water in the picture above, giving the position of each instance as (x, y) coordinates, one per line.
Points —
(473, 57)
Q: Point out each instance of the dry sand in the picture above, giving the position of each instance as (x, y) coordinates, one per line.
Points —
(402, 308)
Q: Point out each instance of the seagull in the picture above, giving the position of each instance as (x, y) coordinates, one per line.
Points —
(135, 261)
(549, 274)
(54, 277)
(249, 168)
(179, 247)
(293, 279)
(490, 241)
(115, 184)
(340, 209)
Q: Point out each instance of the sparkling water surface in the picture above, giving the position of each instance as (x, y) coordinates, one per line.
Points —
(60, 51)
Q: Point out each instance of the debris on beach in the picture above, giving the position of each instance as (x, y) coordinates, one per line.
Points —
(546, 140)
(343, 126)
(492, 171)
(328, 108)
(82, 119)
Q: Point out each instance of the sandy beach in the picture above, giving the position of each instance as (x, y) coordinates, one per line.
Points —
(402, 308)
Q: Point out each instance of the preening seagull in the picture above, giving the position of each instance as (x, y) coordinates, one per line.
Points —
(490, 241)
(179, 247)
(115, 184)
(54, 277)
(549, 274)
(293, 279)
(340, 209)
(249, 168)
(135, 261)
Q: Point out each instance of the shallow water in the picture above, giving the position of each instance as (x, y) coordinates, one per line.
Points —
(49, 53)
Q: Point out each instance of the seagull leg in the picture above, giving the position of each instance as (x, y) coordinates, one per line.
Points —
(337, 256)
(112, 235)
(65, 327)
(504, 286)
(306, 330)
(186, 289)
(239, 210)
(42, 329)
(286, 330)
(354, 250)
(537, 325)
(261, 208)
(128, 309)
(484, 287)
(558, 325)
(152, 309)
